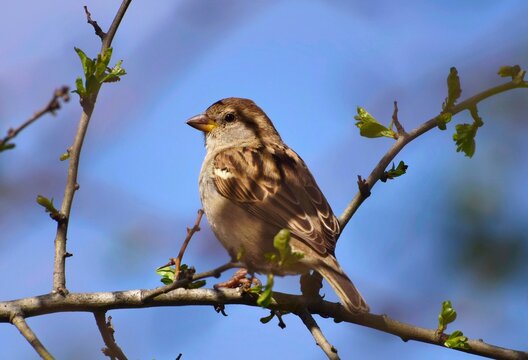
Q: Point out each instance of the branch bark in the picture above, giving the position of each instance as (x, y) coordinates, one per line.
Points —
(317, 333)
(112, 350)
(148, 295)
(59, 269)
(20, 323)
(103, 301)
(190, 232)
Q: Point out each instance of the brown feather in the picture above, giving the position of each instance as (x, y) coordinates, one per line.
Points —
(289, 200)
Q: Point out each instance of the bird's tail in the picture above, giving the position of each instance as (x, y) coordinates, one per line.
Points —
(342, 285)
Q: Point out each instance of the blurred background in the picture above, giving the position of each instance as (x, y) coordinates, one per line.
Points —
(453, 228)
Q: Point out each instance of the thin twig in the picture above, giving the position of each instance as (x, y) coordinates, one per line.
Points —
(106, 329)
(148, 295)
(22, 326)
(91, 302)
(190, 232)
(403, 140)
(107, 41)
(53, 105)
(320, 339)
(59, 274)
(98, 31)
(396, 121)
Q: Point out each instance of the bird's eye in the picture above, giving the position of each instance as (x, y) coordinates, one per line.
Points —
(229, 117)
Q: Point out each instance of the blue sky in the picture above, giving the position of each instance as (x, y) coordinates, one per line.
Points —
(308, 65)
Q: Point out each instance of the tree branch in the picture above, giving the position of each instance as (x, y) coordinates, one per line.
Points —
(190, 232)
(148, 295)
(59, 275)
(22, 326)
(53, 105)
(320, 339)
(103, 301)
(98, 31)
(106, 329)
(404, 139)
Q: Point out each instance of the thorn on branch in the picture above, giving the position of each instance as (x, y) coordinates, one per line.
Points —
(98, 31)
(112, 350)
(220, 308)
(61, 291)
(363, 187)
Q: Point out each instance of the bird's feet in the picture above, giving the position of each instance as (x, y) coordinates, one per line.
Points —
(240, 279)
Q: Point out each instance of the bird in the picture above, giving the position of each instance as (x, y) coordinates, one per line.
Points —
(252, 185)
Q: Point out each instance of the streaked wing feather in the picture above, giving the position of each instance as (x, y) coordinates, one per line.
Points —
(278, 189)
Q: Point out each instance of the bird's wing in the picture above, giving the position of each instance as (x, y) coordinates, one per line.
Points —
(277, 187)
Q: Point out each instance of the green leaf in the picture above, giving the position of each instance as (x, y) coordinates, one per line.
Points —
(270, 257)
(115, 73)
(465, 138)
(79, 87)
(447, 315)
(184, 267)
(453, 88)
(65, 156)
(287, 256)
(394, 172)
(96, 72)
(457, 340)
(47, 204)
(197, 284)
(92, 85)
(509, 71)
(166, 281)
(370, 127)
(167, 274)
(87, 63)
(266, 295)
(7, 146)
(240, 253)
(281, 242)
(443, 119)
(257, 289)
(102, 63)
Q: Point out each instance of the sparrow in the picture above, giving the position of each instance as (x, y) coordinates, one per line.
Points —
(252, 185)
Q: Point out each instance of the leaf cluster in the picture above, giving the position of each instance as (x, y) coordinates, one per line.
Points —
(96, 72)
(284, 257)
(48, 206)
(456, 339)
(370, 127)
(394, 172)
(168, 276)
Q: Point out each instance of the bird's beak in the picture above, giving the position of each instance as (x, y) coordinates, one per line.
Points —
(202, 122)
